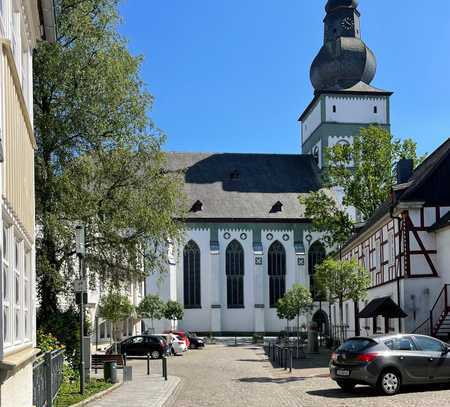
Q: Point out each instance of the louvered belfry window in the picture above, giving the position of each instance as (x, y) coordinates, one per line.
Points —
(235, 275)
(191, 271)
(277, 273)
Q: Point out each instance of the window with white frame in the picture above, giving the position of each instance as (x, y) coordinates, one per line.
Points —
(27, 278)
(6, 288)
(17, 289)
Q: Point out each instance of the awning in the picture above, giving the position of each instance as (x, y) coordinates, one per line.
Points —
(385, 307)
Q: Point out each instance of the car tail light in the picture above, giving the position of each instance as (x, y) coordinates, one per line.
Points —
(367, 357)
(333, 357)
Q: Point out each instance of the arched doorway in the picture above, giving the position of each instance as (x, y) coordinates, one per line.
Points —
(316, 255)
(321, 319)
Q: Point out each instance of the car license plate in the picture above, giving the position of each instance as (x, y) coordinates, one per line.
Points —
(343, 372)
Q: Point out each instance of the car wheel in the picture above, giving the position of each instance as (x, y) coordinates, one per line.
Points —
(155, 354)
(346, 385)
(389, 382)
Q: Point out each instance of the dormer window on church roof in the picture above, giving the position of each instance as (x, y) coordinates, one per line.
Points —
(197, 207)
(278, 207)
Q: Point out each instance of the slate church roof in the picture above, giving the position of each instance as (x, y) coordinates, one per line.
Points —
(245, 187)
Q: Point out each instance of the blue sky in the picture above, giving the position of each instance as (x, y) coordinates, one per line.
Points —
(233, 75)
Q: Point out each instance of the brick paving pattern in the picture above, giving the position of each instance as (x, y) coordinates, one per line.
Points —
(142, 391)
(242, 376)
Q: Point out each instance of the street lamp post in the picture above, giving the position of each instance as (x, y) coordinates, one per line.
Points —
(81, 289)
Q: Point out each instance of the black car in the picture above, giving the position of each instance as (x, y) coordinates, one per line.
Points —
(390, 362)
(195, 342)
(143, 345)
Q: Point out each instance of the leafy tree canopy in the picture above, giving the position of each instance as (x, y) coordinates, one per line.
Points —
(115, 307)
(173, 311)
(151, 307)
(99, 156)
(334, 223)
(365, 170)
(342, 280)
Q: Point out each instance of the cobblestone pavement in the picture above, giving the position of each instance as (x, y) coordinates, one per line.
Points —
(242, 376)
(142, 391)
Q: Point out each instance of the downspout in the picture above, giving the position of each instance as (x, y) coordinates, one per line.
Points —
(399, 272)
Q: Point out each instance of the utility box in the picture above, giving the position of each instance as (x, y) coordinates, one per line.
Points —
(87, 358)
(127, 373)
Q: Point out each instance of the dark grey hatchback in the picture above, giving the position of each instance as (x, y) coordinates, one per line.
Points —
(389, 362)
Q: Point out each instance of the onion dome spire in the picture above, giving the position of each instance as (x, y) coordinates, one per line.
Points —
(344, 60)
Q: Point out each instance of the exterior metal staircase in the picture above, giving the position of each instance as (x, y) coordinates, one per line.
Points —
(438, 324)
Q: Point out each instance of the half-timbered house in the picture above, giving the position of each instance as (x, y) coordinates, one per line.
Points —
(406, 248)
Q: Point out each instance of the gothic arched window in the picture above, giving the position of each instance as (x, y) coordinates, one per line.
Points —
(316, 256)
(235, 275)
(191, 276)
(277, 272)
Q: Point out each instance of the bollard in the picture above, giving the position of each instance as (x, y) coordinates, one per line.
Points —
(290, 360)
(164, 368)
(285, 358)
(124, 359)
(148, 364)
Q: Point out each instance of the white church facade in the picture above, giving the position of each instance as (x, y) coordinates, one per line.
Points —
(247, 240)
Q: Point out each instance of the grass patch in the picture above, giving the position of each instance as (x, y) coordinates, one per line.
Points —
(69, 393)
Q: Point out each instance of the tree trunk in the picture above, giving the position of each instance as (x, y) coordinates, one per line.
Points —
(341, 317)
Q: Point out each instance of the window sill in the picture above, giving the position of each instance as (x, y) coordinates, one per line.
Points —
(235, 306)
(13, 362)
(192, 307)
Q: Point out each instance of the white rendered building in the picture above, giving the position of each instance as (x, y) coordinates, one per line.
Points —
(22, 24)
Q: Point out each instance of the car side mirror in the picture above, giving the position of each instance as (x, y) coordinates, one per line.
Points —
(446, 351)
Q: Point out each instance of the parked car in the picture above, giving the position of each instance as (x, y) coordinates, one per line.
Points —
(195, 341)
(389, 362)
(178, 344)
(142, 345)
(183, 335)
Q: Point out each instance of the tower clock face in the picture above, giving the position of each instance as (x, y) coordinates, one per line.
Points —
(348, 23)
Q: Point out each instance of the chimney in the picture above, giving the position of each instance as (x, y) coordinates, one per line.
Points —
(405, 168)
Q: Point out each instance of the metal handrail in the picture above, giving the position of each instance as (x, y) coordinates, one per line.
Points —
(439, 297)
(418, 329)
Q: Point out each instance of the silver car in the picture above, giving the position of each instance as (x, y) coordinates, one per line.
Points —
(390, 362)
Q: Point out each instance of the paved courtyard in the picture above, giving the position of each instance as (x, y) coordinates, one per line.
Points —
(242, 376)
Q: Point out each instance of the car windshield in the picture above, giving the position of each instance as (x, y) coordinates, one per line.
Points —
(356, 345)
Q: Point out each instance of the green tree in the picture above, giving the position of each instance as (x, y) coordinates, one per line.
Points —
(115, 307)
(365, 169)
(332, 222)
(299, 301)
(284, 311)
(98, 157)
(173, 311)
(151, 307)
(342, 280)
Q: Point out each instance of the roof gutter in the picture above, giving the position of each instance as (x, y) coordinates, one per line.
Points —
(48, 23)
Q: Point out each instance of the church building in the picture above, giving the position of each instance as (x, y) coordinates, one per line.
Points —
(247, 240)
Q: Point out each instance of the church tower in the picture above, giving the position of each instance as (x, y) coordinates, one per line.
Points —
(344, 101)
